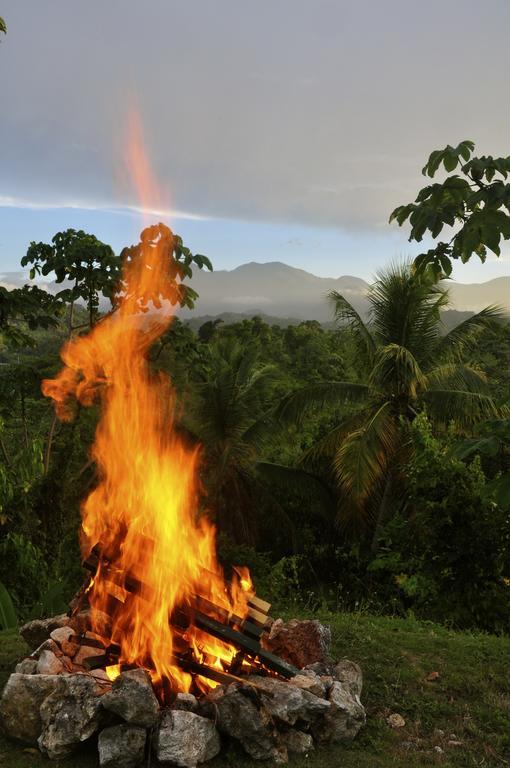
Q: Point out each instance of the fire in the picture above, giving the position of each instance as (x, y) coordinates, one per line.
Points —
(143, 511)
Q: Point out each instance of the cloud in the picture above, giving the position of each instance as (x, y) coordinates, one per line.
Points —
(319, 113)
(23, 203)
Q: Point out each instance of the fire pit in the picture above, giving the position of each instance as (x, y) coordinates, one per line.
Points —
(160, 654)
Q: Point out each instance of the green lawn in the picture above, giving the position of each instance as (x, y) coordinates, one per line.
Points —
(470, 698)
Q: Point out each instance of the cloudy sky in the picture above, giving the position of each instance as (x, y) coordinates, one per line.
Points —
(279, 130)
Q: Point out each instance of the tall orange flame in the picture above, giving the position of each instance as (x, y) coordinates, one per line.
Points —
(143, 512)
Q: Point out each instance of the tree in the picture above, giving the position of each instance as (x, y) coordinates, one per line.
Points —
(81, 259)
(30, 307)
(412, 367)
(3, 26)
(226, 414)
(476, 203)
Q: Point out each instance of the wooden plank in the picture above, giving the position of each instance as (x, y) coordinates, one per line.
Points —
(261, 605)
(252, 647)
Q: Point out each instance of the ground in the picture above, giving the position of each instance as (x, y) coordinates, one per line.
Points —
(448, 687)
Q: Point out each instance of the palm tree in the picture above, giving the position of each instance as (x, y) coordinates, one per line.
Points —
(411, 367)
(226, 414)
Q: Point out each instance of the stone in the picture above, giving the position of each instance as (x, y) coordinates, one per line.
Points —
(289, 704)
(26, 667)
(85, 652)
(344, 719)
(133, 699)
(70, 715)
(297, 742)
(69, 648)
(350, 675)
(47, 645)
(395, 720)
(309, 681)
(186, 739)
(185, 702)
(237, 714)
(61, 634)
(35, 632)
(439, 750)
(49, 664)
(20, 704)
(299, 642)
(122, 746)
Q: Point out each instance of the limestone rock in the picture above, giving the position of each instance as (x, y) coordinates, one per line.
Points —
(20, 704)
(37, 631)
(395, 720)
(237, 714)
(69, 715)
(49, 664)
(350, 675)
(185, 702)
(61, 634)
(288, 703)
(46, 645)
(309, 681)
(344, 719)
(299, 642)
(298, 742)
(132, 698)
(186, 739)
(85, 652)
(122, 746)
(27, 667)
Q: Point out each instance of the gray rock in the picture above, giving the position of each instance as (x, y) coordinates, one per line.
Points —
(309, 681)
(69, 715)
(186, 739)
(20, 704)
(237, 714)
(185, 702)
(287, 703)
(344, 719)
(26, 667)
(122, 746)
(297, 742)
(37, 631)
(299, 642)
(350, 675)
(49, 664)
(132, 698)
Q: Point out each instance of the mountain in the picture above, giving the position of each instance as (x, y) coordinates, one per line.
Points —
(476, 296)
(279, 291)
(273, 289)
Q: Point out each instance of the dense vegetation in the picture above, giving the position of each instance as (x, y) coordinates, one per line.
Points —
(366, 465)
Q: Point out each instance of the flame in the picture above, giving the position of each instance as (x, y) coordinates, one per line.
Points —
(143, 511)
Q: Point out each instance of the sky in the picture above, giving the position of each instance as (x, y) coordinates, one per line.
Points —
(282, 130)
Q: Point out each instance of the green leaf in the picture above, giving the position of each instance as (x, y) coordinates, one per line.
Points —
(8, 617)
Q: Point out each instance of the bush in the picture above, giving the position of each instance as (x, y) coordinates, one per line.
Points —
(448, 550)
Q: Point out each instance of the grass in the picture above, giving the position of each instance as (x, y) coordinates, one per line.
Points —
(468, 699)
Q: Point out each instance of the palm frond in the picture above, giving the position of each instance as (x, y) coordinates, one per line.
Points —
(326, 447)
(462, 338)
(363, 457)
(404, 309)
(460, 406)
(293, 407)
(396, 370)
(457, 376)
(345, 312)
